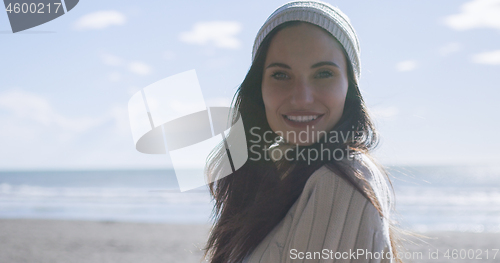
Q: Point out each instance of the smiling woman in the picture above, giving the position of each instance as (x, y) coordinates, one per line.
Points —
(305, 82)
(317, 197)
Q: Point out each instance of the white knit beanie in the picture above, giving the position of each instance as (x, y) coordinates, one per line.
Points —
(321, 14)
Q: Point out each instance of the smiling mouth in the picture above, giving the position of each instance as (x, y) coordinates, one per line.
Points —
(302, 118)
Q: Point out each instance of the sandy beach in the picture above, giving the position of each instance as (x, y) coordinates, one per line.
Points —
(54, 241)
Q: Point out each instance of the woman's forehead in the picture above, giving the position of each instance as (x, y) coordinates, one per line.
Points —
(304, 42)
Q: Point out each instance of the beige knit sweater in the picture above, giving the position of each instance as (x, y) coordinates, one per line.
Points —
(331, 221)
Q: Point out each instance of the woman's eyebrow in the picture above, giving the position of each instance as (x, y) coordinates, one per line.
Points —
(281, 65)
(319, 64)
(323, 63)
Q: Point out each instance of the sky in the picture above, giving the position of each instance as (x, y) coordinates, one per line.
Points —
(430, 76)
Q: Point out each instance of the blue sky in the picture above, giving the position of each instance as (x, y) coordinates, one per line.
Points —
(430, 76)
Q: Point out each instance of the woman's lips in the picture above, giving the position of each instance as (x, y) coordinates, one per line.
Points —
(302, 120)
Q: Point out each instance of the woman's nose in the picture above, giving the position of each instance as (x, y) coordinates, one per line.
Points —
(303, 94)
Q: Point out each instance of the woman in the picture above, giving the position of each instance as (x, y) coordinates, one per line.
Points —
(309, 190)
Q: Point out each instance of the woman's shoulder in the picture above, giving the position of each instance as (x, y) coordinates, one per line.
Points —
(352, 170)
(330, 189)
(359, 172)
(327, 181)
(338, 214)
(329, 214)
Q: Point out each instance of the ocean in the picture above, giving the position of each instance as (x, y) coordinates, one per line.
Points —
(428, 198)
(448, 198)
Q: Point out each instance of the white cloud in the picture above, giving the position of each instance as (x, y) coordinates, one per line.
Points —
(112, 60)
(36, 135)
(221, 34)
(476, 14)
(100, 20)
(407, 65)
(27, 105)
(489, 58)
(139, 68)
(450, 48)
(35, 109)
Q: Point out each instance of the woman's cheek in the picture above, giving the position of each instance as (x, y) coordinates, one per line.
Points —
(271, 98)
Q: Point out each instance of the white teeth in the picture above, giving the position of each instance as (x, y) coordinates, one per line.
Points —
(302, 118)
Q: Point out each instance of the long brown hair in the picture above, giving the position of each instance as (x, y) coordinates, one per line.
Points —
(250, 202)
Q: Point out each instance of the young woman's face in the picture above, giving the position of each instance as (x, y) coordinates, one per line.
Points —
(304, 83)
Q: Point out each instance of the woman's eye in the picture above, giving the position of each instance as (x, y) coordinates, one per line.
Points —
(324, 74)
(279, 75)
